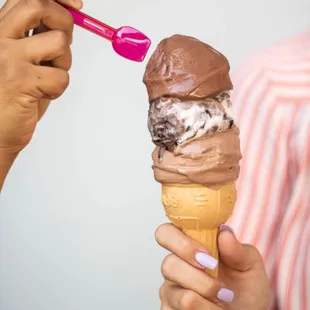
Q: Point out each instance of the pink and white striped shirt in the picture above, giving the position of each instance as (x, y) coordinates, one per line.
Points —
(272, 103)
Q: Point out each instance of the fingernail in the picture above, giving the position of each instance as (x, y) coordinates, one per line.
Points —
(224, 227)
(225, 295)
(206, 260)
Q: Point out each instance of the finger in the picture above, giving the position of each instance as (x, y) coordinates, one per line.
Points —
(50, 82)
(42, 28)
(183, 274)
(64, 61)
(28, 14)
(75, 4)
(172, 239)
(181, 299)
(56, 49)
(235, 255)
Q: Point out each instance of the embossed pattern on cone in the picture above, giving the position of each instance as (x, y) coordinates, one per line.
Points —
(198, 211)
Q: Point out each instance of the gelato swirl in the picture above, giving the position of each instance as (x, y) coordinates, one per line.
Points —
(210, 161)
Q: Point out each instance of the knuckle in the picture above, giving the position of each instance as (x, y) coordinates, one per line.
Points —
(188, 300)
(167, 265)
(61, 39)
(61, 83)
(253, 256)
(63, 80)
(186, 245)
(255, 251)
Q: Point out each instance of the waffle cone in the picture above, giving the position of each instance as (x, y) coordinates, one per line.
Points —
(198, 211)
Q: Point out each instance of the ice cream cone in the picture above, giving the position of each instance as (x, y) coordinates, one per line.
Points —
(198, 211)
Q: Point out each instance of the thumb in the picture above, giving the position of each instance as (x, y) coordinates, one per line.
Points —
(233, 254)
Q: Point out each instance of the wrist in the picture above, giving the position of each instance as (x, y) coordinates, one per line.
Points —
(7, 159)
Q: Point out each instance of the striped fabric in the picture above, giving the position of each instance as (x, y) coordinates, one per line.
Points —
(272, 103)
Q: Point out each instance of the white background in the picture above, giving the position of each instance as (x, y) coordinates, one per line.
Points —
(80, 206)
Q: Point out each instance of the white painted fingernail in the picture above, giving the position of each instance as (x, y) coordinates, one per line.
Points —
(225, 295)
(206, 260)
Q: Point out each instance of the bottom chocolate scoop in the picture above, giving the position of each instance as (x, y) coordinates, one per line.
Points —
(210, 161)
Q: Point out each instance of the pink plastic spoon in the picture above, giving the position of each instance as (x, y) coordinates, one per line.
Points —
(126, 41)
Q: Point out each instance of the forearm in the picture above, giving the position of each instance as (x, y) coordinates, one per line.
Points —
(6, 162)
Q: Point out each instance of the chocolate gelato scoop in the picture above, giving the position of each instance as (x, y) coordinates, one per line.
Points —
(185, 68)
